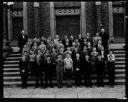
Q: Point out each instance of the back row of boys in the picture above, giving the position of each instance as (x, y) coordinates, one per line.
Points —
(44, 69)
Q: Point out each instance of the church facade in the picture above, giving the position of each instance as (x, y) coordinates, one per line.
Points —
(67, 18)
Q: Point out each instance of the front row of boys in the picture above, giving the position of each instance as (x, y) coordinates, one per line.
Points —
(43, 69)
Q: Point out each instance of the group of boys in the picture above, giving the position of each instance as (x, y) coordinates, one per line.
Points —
(81, 57)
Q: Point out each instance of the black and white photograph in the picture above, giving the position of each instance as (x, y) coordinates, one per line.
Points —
(64, 49)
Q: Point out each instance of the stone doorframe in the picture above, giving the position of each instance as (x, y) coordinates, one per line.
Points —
(53, 20)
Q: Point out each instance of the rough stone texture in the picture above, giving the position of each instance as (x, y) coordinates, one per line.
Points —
(31, 27)
(44, 17)
(44, 14)
(91, 18)
(67, 4)
(18, 5)
(105, 92)
(105, 16)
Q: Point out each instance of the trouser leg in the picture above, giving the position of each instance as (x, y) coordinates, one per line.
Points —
(37, 79)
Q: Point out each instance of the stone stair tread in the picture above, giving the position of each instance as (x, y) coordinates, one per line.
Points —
(15, 53)
(120, 62)
(120, 65)
(11, 65)
(12, 71)
(13, 57)
(7, 69)
(120, 70)
(11, 62)
(6, 73)
(33, 82)
(120, 53)
(14, 77)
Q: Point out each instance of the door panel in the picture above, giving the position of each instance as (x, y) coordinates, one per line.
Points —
(69, 25)
(118, 24)
(17, 23)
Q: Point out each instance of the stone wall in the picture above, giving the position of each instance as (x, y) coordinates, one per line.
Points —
(44, 14)
(67, 4)
(105, 16)
(91, 18)
(31, 27)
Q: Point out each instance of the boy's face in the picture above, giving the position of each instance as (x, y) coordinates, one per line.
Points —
(39, 51)
(99, 57)
(97, 34)
(23, 58)
(110, 52)
(77, 55)
(25, 53)
(35, 44)
(68, 55)
(59, 56)
(42, 42)
(48, 58)
(94, 49)
(86, 57)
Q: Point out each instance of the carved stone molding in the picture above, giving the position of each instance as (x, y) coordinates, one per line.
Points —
(118, 10)
(67, 11)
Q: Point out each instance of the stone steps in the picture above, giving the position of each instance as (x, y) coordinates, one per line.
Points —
(12, 77)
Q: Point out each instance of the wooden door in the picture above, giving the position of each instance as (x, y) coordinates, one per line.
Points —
(17, 23)
(118, 25)
(67, 25)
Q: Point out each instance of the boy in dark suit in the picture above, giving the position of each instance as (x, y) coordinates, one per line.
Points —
(38, 69)
(77, 69)
(23, 65)
(48, 71)
(100, 68)
(86, 70)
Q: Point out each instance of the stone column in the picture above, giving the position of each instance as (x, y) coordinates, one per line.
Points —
(10, 35)
(4, 23)
(110, 21)
(36, 18)
(52, 19)
(83, 19)
(98, 15)
(25, 19)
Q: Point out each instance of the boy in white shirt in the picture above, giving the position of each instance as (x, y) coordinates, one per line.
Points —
(68, 68)
(111, 68)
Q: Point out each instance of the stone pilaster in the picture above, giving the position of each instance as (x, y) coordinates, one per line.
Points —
(110, 21)
(36, 18)
(52, 20)
(25, 19)
(83, 19)
(98, 15)
(10, 36)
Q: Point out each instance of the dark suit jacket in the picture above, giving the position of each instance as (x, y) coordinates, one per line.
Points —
(21, 41)
(105, 37)
(77, 64)
(48, 69)
(86, 67)
(23, 66)
(100, 66)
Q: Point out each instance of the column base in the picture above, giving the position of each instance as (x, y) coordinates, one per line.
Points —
(6, 51)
